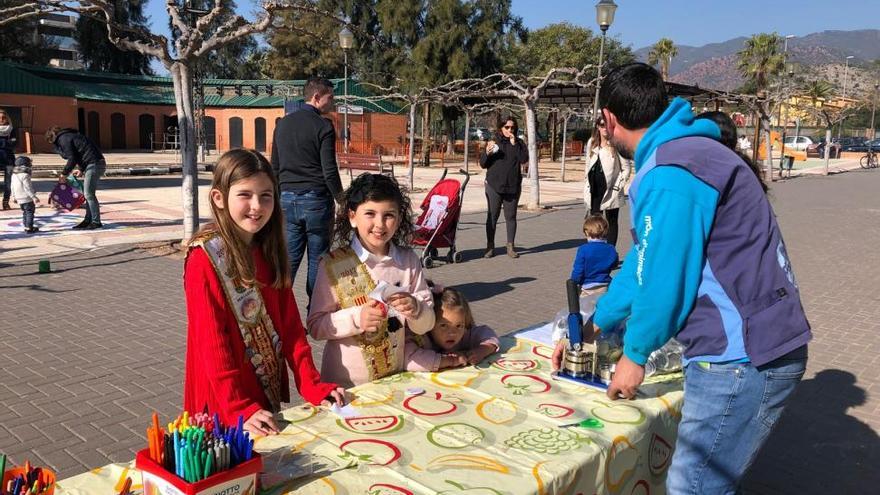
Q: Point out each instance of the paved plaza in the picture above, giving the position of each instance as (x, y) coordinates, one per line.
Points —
(93, 348)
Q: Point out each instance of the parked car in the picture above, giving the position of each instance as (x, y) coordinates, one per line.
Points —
(817, 149)
(853, 144)
(799, 143)
(863, 146)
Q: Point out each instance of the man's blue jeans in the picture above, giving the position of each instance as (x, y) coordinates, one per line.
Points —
(729, 410)
(309, 216)
(92, 175)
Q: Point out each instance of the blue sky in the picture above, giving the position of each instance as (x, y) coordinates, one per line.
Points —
(687, 22)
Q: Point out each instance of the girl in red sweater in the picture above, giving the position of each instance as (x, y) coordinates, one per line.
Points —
(243, 323)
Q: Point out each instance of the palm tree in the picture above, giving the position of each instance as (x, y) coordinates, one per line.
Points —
(662, 52)
(818, 90)
(760, 59)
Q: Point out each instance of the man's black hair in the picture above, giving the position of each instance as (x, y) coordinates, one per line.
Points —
(316, 86)
(635, 93)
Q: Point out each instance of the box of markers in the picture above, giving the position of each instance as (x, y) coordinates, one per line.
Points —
(239, 480)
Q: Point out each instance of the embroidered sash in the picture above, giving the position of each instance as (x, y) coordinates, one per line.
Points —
(352, 283)
(261, 342)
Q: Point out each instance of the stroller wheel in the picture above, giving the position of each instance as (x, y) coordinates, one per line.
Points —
(456, 256)
(427, 262)
(432, 252)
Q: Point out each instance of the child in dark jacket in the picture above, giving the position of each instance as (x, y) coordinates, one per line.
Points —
(595, 259)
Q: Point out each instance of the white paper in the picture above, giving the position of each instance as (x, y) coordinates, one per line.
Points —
(346, 411)
(382, 292)
(541, 333)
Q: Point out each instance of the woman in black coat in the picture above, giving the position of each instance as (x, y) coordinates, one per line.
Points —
(503, 159)
(7, 154)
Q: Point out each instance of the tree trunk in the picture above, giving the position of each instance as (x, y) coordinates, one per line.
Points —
(450, 136)
(827, 147)
(552, 124)
(768, 159)
(412, 142)
(531, 134)
(467, 140)
(564, 135)
(426, 135)
(182, 79)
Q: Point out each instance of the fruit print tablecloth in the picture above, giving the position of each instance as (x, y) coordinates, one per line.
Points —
(485, 430)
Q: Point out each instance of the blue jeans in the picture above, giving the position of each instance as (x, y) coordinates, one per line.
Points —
(91, 176)
(729, 410)
(27, 214)
(309, 216)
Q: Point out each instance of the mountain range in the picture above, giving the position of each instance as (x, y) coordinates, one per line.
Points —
(714, 65)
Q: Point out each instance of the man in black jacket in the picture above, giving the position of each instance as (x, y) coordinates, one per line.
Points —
(304, 160)
(85, 160)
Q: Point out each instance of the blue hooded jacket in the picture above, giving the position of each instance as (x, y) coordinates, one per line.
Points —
(658, 284)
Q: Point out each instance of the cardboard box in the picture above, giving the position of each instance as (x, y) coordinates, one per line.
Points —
(240, 480)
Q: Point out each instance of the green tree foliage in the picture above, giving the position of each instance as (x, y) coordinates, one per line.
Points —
(563, 45)
(761, 59)
(98, 54)
(662, 53)
(20, 41)
(240, 59)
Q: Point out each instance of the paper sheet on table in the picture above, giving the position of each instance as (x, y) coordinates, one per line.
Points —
(382, 292)
(541, 333)
(346, 411)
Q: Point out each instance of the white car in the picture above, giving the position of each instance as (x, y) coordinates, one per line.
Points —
(799, 143)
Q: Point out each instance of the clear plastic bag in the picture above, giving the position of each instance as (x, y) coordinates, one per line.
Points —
(666, 359)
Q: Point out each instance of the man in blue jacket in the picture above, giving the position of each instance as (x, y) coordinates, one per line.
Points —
(709, 268)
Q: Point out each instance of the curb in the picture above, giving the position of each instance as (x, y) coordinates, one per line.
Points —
(130, 171)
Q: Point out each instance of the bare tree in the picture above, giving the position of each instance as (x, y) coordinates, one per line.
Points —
(527, 91)
(197, 40)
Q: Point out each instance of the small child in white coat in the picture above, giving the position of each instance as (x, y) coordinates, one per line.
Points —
(23, 192)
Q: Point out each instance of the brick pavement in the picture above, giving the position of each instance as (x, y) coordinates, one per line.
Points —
(78, 396)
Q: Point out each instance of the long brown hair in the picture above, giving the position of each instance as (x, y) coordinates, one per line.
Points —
(233, 166)
(596, 136)
(452, 299)
(373, 187)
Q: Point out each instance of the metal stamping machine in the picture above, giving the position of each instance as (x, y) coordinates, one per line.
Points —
(580, 360)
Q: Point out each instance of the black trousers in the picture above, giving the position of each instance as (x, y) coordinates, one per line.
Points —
(497, 201)
(7, 182)
(611, 216)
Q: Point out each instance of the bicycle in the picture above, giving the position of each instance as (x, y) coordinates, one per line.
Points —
(869, 160)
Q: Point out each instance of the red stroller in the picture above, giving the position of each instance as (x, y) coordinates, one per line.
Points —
(438, 223)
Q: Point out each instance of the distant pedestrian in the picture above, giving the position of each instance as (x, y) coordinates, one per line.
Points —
(605, 175)
(85, 160)
(7, 154)
(304, 162)
(503, 159)
(23, 192)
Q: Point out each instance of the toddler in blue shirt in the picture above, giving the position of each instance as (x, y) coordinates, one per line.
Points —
(596, 258)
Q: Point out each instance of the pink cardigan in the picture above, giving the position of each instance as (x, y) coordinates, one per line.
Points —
(343, 362)
(428, 358)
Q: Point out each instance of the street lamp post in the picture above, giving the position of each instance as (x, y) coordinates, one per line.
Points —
(784, 114)
(604, 17)
(346, 41)
(845, 74)
(873, 107)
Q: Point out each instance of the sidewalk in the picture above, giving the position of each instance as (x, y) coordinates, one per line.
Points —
(146, 209)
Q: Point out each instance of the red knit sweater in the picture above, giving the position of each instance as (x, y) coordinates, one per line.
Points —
(219, 376)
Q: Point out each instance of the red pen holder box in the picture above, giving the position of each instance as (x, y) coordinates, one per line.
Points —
(47, 478)
(240, 480)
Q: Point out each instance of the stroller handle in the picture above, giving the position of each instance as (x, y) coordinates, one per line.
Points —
(467, 178)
